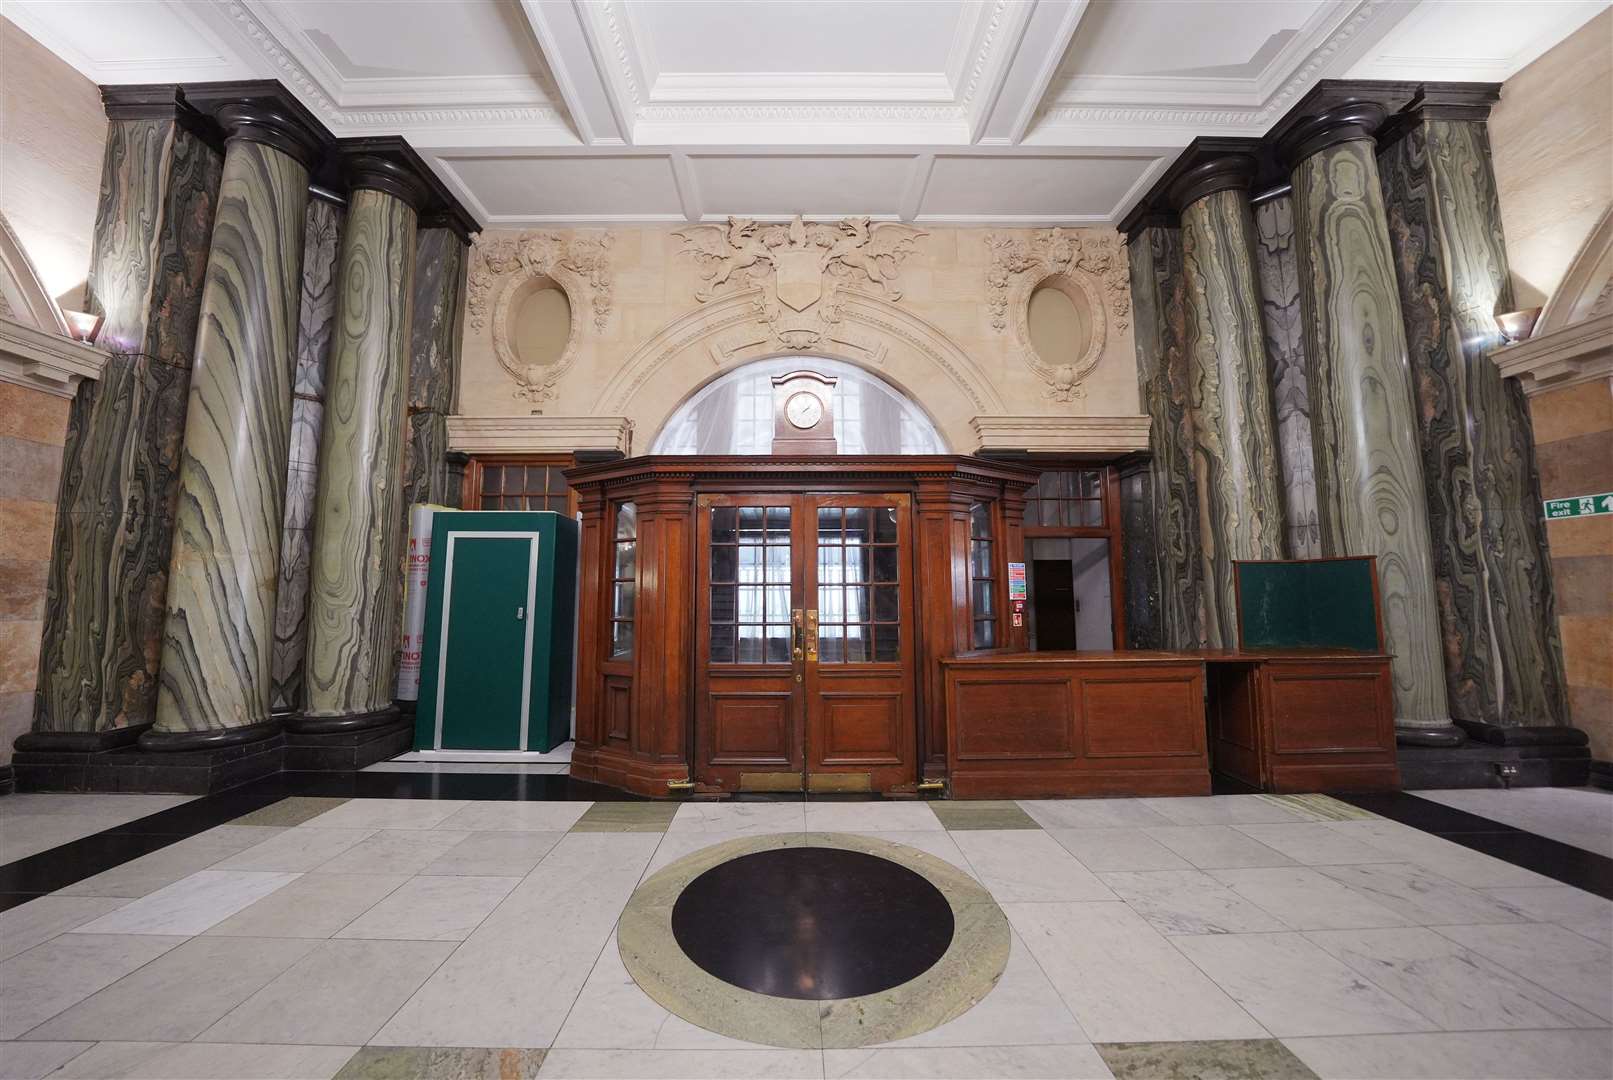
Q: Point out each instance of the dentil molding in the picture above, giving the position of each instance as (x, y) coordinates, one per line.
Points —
(1062, 434)
(1090, 264)
(539, 434)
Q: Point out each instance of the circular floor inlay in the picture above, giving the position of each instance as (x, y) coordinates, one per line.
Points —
(812, 922)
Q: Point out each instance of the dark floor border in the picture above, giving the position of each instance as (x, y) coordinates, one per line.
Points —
(1550, 858)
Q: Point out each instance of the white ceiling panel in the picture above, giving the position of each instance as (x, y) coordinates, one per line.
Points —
(1033, 190)
(1185, 38)
(1477, 42)
(827, 186)
(517, 189)
(153, 41)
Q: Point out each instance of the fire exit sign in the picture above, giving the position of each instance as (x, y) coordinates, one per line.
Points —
(1580, 506)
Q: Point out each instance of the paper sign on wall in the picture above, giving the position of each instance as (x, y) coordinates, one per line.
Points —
(1016, 581)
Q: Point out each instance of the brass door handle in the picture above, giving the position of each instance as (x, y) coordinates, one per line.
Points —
(795, 621)
(812, 635)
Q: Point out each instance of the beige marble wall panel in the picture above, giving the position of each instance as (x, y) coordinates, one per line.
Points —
(1552, 140)
(935, 340)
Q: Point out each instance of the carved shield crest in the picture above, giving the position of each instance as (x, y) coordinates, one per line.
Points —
(799, 276)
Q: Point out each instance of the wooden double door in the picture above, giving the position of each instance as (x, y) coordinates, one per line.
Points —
(804, 634)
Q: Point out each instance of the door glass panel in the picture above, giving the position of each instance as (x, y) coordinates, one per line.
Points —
(857, 622)
(749, 601)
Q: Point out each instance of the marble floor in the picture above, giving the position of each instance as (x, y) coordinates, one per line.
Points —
(1238, 935)
(30, 824)
(1582, 817)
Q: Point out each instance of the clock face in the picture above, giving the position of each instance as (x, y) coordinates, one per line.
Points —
(803, 410)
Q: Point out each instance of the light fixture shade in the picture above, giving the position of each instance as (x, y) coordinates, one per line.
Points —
(84, 326)
(1518, 325)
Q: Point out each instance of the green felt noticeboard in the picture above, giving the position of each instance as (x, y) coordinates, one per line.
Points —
(1309, 604)
(500, 621)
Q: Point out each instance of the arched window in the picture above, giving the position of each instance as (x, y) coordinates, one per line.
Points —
(734, 414)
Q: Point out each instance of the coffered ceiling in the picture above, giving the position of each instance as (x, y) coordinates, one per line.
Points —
(983, 111)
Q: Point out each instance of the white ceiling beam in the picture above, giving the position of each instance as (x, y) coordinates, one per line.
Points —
(607, 26)
(917, 182)
(1048, 33)
(583, 86)
(1000, 34)
(688, 187)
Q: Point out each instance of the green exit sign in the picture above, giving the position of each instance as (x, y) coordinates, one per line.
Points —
(1580, 506)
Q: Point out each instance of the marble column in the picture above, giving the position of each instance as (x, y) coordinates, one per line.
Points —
(218, 635)
(1234, 454)
(1503, 659)
(120, 480)
(1369, 478)
(1158, 297)
(353, 592)
(315, 321)
(439, 304)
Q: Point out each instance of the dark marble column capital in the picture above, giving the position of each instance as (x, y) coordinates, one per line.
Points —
(375, 172)
(1344, 122)
(1226, 172)
(389, 164)
(263, 112)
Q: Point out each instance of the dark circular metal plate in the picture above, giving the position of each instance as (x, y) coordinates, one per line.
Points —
(812, 922)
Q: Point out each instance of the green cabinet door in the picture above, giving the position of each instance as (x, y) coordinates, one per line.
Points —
(486, 630)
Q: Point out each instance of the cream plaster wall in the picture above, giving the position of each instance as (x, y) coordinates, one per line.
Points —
(642, 341)
(1552, 140)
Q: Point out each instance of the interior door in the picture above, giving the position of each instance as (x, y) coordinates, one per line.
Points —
(749, 682)
(483, 684)
(860, 720)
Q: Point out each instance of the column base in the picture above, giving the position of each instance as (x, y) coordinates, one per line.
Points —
(1486, 765)
(168, 762)
(346, 743)
(1524, 735)
(8, 780)
(1442, 735)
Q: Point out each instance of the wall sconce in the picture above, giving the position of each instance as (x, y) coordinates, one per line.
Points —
(84, 326)
(1518, 325)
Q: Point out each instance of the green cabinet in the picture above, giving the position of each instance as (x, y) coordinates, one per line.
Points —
(495, 668)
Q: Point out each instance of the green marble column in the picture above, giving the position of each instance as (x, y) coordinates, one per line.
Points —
(358, 513)
(115, 515)
(1158, 298)
(1234, 449)
(1369, 477)
(218, 635)
(439, 303)
(1503, 659)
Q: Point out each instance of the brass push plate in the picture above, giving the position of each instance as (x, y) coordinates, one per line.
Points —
(770, 781)
(840, 781)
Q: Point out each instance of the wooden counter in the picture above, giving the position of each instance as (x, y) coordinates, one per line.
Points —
(1151, 723)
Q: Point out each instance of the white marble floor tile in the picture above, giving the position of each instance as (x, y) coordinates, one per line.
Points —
(1123, 980)
(859, 817)
(1222, 810)
(393, 851)
(1295, 988)
(937, 842)
(613, 1013)
(1188, 902)
(1027, 865)
(1454, 862)
(1457, 989)
(966, 1063)
(38, 984)
(1312, 843)
(1551, 903)
(1421, 896)
(1306, 899)
(190, 905)
(176, 996)
(512, 982)
(675, 845)
(205, 1061)
(31, 822)
(1566, 963)
(1597, 930)
(1092, 813)
(1023, 1009)
(145, 875)
(34, 1060)
(682, 1065)
(296, 850)
(313, 906)
(340, 994)
(387, 814)
(517, 816)
(1216, 847)
(1468, 1055)
(432, 909)
(1118, 849)
(739, 819)
(1582, 817)
(26, 925)
(494, 854)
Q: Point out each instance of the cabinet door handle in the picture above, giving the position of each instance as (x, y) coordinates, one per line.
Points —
(520, 614)
(812, 635)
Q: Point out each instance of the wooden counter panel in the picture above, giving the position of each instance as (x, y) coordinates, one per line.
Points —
(1076, 728)
(1329, 726)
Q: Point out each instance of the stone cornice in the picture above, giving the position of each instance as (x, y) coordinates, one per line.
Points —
(44, 361)
(388, 163)
(539, 434)
(1579, 353)
(1097, 435)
